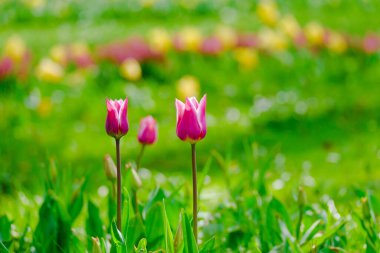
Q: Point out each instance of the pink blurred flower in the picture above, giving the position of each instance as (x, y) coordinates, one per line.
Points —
(148, 131)
(117, 122)
(211, 46)
(300, 40)
(371, 43)
(247, 40)
(191, 119)
(6, 66)
(135, 48)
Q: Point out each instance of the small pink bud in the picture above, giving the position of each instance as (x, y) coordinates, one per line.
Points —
(117, 122)
(148, 130)
(191, 119)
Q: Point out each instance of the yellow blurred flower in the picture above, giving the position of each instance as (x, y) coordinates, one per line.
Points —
(289, 26)
(268, 12)
(79, 48)
(49, 71)
(15, 48)
(35, 4)
(191, 38)
(147, 3)
(188, 86)
(160, 40)
(58, 54)
(273, 40)
(336, 43)
(246, 57)
(45, 107)
(314, 33)
(227, 36)
(130, 69)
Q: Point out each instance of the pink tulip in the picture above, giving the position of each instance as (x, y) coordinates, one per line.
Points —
(148, 130)
(117, 122)
(191, 119)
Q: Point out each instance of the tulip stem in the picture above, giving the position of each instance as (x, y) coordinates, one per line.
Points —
(195, 193)
(138, 161)
(118, 184)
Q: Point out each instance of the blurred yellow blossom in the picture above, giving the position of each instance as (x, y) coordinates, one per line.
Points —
(314, 33)
(273, 40)
(160, 40)
(336, 43)
(49, 71)
(268, 12)
(79, 48)
(35, 4)
(130, 69)
(188, 86)
(147, 3)
(15, 48)
(246, 57)
(191, 38)
(289, 26)
(45, 107)
(227, 36)
(58, 54)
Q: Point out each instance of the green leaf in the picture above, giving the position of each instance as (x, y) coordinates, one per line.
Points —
(141, 247)
(203, 175)
(94, 225)
(136, 231)
(117, 236)
(310, 232)
(77, 202)
(3, 248)
(154, 225)
(178, 238)
(316, 242)
(208, 246)
(169, 243)
(190, 245)
(5, 228)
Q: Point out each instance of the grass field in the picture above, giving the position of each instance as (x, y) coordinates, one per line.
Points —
(291, 158)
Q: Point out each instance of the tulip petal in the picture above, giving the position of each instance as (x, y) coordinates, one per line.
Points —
(123, 121)
(188, 129)
(194, 102)
(201, 113)
(180, 110)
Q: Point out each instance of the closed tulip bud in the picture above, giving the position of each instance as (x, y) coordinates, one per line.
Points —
(148, 131)
(58, 54)
(289, 26)
(117, 122)
(96, 248)
(191, 119)
(135, 179)
(110, 168)
(246, 57)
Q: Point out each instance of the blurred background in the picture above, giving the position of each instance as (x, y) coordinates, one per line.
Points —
(297, 80)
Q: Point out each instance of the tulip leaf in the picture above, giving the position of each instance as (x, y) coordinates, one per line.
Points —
(208, 246)
(169, 243)
(141, 247)
(190, 245)
(117, 236)
(316, 242)
(77, 202)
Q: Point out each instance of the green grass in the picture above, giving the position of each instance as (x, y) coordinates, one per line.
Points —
(255, 160)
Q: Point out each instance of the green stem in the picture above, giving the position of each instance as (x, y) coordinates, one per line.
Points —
(195, 193)
(138, 160)
(118, 184)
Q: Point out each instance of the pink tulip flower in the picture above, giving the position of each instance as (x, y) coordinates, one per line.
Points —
(148, 131)
(191, 119)
(117, 122)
